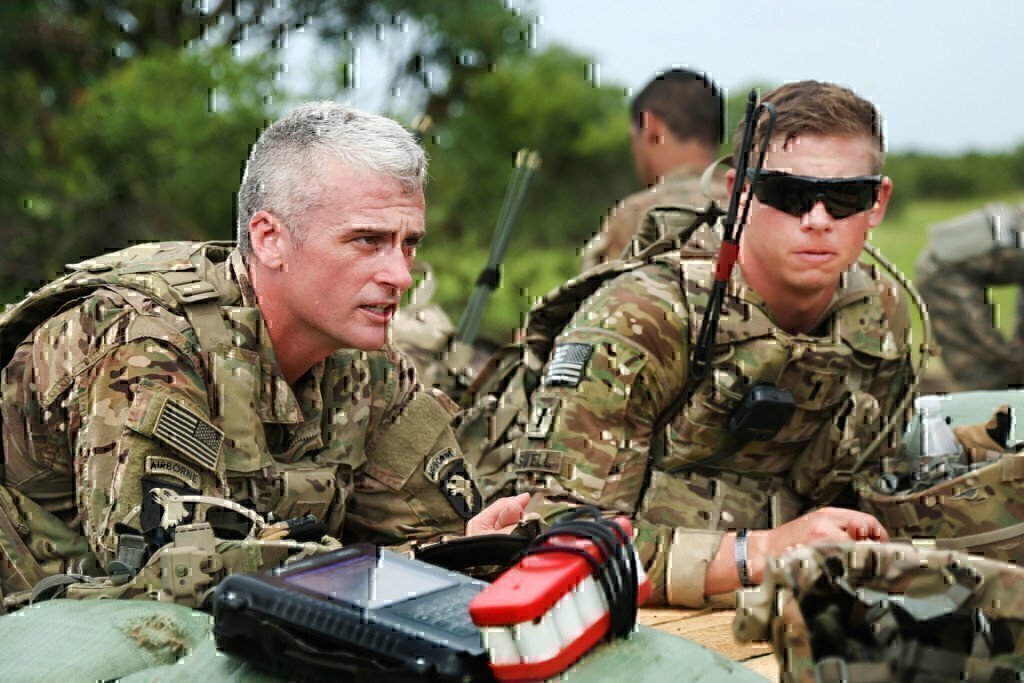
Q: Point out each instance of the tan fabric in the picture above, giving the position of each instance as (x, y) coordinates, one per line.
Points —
(689, 556)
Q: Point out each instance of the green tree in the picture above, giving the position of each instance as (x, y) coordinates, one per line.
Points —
(545, 101)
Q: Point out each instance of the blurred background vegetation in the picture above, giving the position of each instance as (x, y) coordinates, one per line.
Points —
(130, 120)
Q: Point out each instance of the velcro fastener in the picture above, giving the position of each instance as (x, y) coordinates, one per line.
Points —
(414, 431)
(175, 423)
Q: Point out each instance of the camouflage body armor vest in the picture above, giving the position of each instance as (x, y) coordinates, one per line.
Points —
(189, 280)
(496, 404)
(829, 377)
(835, 378)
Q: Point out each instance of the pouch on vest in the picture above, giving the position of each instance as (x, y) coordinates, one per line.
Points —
(980, 511)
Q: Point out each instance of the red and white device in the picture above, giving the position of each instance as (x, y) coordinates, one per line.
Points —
(547, 611)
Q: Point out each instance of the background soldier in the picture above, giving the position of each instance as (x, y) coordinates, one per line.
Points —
(801, 315)
(964, 257)
(676, 127)
(259, 375)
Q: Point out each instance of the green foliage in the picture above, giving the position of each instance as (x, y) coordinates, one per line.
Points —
(152, 151)
(540, 101)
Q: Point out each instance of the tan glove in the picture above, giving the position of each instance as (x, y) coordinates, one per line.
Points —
(984, 442)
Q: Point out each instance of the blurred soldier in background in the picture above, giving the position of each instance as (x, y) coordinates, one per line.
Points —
(676, 128)
(965, 256)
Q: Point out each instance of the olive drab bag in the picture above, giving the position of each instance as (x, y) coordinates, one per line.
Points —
(490, 423)
(887, 612)
(981, 510)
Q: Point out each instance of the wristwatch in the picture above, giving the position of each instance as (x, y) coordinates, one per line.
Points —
(740, 553)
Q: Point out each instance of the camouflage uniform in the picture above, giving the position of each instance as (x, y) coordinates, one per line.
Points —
(680, 187)
(116, 394)
(964, 257)
(622, 362)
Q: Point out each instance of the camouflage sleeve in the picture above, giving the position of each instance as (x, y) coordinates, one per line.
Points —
(620, 363)
(95, 380)
(973, 349)
(414, 484)
(616, 231)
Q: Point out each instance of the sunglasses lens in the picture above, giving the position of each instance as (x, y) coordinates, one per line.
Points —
(797, 196)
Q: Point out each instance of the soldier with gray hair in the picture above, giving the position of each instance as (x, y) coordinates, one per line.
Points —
(226, 406)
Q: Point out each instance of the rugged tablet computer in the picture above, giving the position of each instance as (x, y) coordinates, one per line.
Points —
(359, 613)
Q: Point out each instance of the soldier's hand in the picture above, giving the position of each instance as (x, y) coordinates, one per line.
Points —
(826, 524)
(500, 517)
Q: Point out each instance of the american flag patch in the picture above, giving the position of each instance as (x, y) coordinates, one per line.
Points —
(567, 363)
(190, 434)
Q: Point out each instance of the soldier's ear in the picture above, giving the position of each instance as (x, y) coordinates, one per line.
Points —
(270, 239)
(877, 212)
(730, 178)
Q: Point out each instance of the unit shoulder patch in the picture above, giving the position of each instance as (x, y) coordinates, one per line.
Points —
(173, 468)
(449, 472)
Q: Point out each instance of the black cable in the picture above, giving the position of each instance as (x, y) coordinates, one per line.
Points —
(616, 572)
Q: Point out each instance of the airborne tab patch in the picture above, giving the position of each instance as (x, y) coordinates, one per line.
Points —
(190, 434)
(567, 363)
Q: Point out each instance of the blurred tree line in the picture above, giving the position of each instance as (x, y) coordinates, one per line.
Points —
(130, 120)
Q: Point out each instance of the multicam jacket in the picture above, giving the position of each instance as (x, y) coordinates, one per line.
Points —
(679, 187)
(587, 435)
(117, 393)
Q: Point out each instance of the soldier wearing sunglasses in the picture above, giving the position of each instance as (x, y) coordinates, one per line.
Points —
(615, 421)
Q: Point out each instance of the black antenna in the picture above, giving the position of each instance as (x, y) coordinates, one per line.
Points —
(729, 251)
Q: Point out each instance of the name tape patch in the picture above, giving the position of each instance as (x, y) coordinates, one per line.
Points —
(567, 364)
(190, 434)
(172, 468)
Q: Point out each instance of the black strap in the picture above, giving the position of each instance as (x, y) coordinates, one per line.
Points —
(474, 551)
(489, 277)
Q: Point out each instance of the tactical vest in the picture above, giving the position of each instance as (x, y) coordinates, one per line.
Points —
(185, 278)
(887, 612)
(828, 375)
(980, 511)
(492, 420)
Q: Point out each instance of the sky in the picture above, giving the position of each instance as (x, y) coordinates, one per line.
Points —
(947, 75)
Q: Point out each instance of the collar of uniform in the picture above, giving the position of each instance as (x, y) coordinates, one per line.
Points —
(736, 322)
(238, 272)
(854, 313)
(278, 402)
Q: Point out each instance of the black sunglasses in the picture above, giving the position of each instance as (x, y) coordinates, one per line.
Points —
(797, 194)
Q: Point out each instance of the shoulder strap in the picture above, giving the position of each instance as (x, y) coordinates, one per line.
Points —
(179, 275)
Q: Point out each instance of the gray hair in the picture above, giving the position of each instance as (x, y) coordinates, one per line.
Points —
(287, 169)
